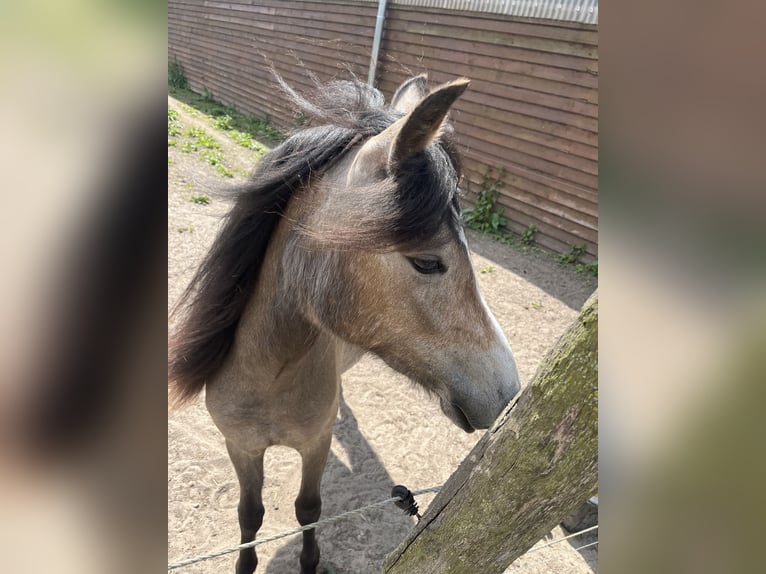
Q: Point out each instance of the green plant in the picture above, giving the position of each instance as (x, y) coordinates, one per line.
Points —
(174, 127)
(194, 132)
(246, 140)
(590, 268)
(487, 269)
(528, 237)
(199, 104)
(176, 75)
(223, 122)
(208, 141)
(215, 158)
(200, 199)
(485, 216)
(573, 256)
(189, 147)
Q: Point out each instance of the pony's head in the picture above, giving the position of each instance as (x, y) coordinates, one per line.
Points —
(390, 270)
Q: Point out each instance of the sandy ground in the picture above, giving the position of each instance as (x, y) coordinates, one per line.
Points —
(387, 432)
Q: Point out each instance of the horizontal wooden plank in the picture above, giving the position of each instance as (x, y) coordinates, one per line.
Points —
(510, 92)
(492, 104)
(321, 54)
(260, 53)
(499, 23)
(499, 126)
(412, 58)
(426, 28)
(496, 156)
(282, 12)
(310, 28)
(472, 137)
(440, 71)
(528, 76)
(430, 43)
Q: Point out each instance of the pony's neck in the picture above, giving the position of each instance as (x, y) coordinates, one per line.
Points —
(279, 324)
(272, 331)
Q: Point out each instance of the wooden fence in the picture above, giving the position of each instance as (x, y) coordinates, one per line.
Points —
(532, 108)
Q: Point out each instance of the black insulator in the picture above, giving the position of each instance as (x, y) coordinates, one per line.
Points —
(406, 501)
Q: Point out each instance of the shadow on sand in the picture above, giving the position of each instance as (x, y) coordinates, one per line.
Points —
(544, 272)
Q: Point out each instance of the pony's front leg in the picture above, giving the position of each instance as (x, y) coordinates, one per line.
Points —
(249, 468)
(308, 505)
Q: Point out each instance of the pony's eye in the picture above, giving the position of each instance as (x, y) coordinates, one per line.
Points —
(427, 266)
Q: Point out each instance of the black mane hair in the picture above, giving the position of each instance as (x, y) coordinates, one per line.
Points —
(344, 114)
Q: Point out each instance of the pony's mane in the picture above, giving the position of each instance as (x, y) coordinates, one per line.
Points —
(344, 114)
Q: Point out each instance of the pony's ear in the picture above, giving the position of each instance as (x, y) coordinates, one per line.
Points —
(409, 94)
(424, 123)
(382, 154)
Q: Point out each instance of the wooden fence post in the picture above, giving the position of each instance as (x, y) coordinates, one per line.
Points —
(536, 465)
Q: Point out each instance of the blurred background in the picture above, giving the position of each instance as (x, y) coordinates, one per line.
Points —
(683, 305)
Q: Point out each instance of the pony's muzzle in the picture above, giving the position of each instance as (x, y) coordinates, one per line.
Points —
(478, 410)
(471, 407)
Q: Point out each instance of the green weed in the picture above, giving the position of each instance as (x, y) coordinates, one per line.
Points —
(590, 268)
(528, 237)
(174, 127)
(200, 199)
(485, 216)
(573, 257)
(176, 75)
(215, 158)
(223, 122)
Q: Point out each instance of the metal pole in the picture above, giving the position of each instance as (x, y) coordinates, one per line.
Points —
(376, 41)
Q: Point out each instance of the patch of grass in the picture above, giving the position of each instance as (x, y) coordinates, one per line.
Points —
(170, 160)
(226, 117)
(207, 141)
(223, 122)
(174, 127)
(537, 305)
(215, 158)
(200, 199)
(194, 132)
(172, 143)
(187, 229)
(246, 140)
(189, 147)
(487, 269)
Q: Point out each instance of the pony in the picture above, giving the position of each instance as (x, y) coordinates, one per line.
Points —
(346, 240)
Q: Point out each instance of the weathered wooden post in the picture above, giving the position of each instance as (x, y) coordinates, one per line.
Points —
(529, 471)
